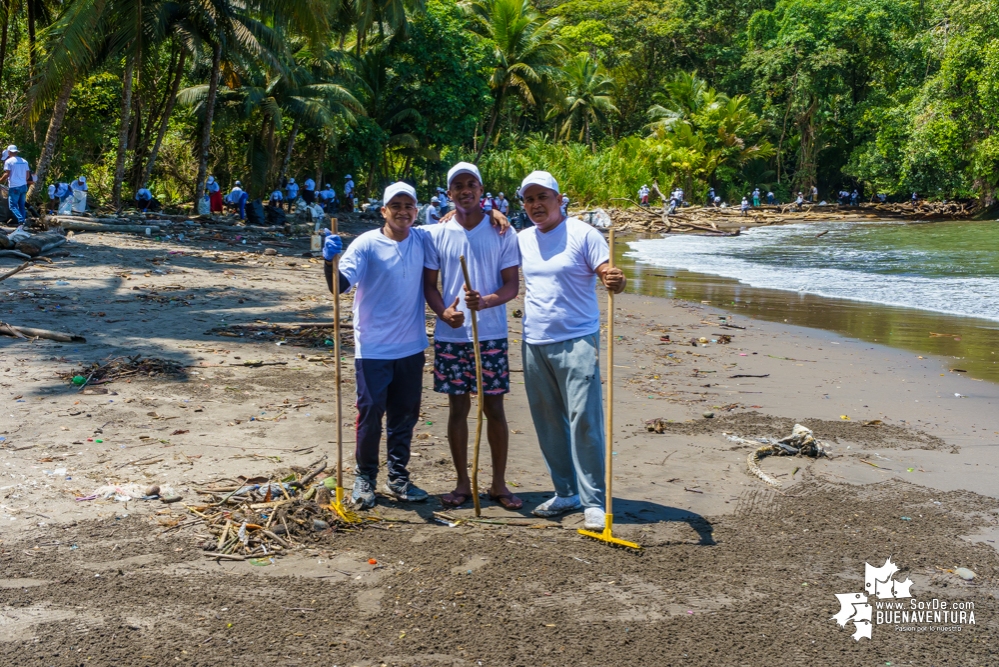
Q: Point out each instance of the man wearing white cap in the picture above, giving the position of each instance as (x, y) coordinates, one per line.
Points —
(143, 198)
(78, 190)
(434, 211)
(292, 190)
(326, 197)
(503, 204)
(237, 198)
(348, 193)
(390, 337)
(492, 257)
(562, 258)
(17, 174)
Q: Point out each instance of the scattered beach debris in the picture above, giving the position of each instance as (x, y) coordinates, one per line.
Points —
(121, 367)
(124, 493)
(801, 442)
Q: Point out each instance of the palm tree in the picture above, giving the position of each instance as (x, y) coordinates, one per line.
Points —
(71, 46)
(589, 97)
(392, 13)
(381, 92)
(524, 49)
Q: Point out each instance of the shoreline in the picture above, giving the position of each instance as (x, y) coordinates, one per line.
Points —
(967, 343)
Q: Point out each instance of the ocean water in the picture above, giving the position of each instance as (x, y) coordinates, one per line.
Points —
(942, 267)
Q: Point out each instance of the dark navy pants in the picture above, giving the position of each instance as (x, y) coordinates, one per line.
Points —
(391, 388)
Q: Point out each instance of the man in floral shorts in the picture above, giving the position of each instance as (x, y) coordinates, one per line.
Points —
(493, 261)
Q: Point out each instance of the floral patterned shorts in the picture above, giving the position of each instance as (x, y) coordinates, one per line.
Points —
(454, 367)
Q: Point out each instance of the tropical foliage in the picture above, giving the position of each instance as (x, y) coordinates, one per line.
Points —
(886, 96)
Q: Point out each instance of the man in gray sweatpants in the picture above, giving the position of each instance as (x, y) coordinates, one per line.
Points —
(562, 258)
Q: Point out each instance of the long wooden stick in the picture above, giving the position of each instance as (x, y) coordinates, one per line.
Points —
(336, 351)
(609, 444)
(478, 386)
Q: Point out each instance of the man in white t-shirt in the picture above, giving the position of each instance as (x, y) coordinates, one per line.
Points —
(562, 259)
(434, 211)
(309, 191)
(348, 193)
(503, 204)
(292, 189)
(17, 174)
(493, 260)
(390, 337)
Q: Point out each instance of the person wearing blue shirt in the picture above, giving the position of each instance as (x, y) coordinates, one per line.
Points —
(237, 198)
(143, 197)
(292, 190)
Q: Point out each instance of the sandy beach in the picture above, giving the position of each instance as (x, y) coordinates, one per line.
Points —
(733, 571)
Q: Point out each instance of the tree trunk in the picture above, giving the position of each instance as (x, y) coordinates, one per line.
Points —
(126, 116)
(291, 147)
(492, 124)
(51, 137)
(206, 131)
(319, 165)
(164, 122)
(3, 39)
(31, 40)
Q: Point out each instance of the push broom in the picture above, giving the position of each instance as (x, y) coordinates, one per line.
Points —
(346, 514)
(478, 385)
(608, 534)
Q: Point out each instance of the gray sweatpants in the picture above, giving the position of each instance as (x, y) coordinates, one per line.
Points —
(563, 389)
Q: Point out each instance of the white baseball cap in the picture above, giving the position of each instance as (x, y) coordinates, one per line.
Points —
(542, 178)
(396, 189)
(211, 179)
(291, 180)
(328, 186)
(463, 168)
(83, 179)
(434, 200)
(501, 194)
(12, 148)
(347, 176)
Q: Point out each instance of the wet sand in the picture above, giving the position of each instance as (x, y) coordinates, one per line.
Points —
(725, 554)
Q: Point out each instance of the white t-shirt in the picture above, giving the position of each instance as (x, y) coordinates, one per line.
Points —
(18, 168)
(561, 281)
(389, 321)
(310, 184)
(433, 214)
(487, 253)
(348, 188)
(503, 205)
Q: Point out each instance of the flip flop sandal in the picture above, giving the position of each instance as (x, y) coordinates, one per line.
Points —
(456, 499)
(507, 501)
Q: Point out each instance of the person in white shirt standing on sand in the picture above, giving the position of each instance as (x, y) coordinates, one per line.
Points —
(562, 259)
(17, 173)
(493, 260)
(390, 337)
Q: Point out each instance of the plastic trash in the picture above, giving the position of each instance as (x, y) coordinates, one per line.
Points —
(79, 380)
(205, 206)
(600, 218)
(965, 573)
(79, 201)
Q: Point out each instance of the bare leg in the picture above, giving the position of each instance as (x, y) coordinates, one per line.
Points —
(457, 440)
(499, 446)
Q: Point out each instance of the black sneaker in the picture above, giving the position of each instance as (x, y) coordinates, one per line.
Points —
(363, 494)
(406, 491)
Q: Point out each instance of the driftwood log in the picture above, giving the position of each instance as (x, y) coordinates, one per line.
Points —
(17, 270)
(81, 226)
(40, 243)
(27, 332)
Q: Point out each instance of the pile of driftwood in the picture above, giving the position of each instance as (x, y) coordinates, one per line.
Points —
(300, 334)
(122, 367)
(33, 246)
(926, 210)
(135, 224)
(263, 517)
